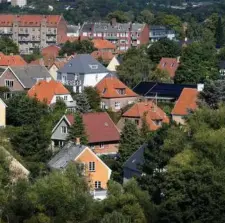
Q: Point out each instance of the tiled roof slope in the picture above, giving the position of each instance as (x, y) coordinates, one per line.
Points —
(99, 127)
(51, 50)
(45, 90)
(103, 44)
(169, 64)
(187, 101)
(108, 88)
(104, 55)
(11, 60)
(152, 112)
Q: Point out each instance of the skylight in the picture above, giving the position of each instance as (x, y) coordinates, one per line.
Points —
(94, 67)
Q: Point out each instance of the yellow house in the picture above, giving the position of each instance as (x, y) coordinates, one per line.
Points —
(2, 113)
(114, 63)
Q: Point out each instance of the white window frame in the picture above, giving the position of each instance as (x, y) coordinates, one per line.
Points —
(64, 129)
(102, 145)
(9, 81)
(65, 97)
(91, 166)
(98, 184)
(117, 105)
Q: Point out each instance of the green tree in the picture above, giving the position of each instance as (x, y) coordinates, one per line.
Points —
(145, 17)
(163, 48)
(120, 16)
(93, 97)
(7, 46)
(220, 35)
(159, 75)
(82, 103)
(144, 131)
(79, 47)
(77, 130)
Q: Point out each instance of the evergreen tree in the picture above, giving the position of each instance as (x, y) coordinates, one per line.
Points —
(82, 104)
(77, 130)
(220, 38)
(93, 97)
(129, 141)
(144, 131)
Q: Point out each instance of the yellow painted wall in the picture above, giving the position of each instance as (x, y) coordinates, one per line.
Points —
(113, 64)
(2, 114)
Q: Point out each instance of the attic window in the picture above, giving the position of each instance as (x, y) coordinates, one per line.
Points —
(121, 91)
(106, 124)
(164, 64)
(172, 65)
(94, 67)
(104, 90)
(70, 65)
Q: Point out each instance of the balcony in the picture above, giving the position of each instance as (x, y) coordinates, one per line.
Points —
(51, 34)
(5, 32)
(99, 194)
(29, 40)
(70, 82)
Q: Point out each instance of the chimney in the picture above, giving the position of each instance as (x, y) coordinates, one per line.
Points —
(200, 87)
(77, 141)
(178, 59)
(113, 22)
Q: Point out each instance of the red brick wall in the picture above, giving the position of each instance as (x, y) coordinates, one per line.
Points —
(144, 36)
(16, 84)
(61, 30)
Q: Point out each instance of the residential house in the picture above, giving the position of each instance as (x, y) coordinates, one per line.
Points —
(50, 51)
(11, 60)
(161, 91)
(55, 66)
(103, 56)
(132, 167)
(115, 94)
(51, 91)
(82, 71)
(94, 169)
(3, 107)
(153, 115)
(21, 78)
(20, 3)
(222, 68)
(114, 63)
(159, 32)
(123, 35)
(104, 45)
(103, 136)
(33, 31)
(73, 31)
(169, 65)
(186, 103)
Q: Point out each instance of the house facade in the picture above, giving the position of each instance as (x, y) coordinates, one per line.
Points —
(114, 63)
(94, 169)
(159, 32)
(54, 67)
(123, 35)
(3, 107)
(115, 94)
(81, 71)
(103, 136)
(33, 31)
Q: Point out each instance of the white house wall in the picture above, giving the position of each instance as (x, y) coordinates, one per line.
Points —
(69, 98)
(93, 79)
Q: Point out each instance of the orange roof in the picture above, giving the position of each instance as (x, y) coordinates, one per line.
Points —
(69, 38)
(52, 50)
(105, 55)
(186, 101)
(59, 64)
(45, 90)
(170, 65)
(11, 60)
(152, 112)
(103, 44)
(109, 88)
(29, 20)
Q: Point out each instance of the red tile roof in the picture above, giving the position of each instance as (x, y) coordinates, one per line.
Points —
(52, 51)
(170, 65)
(152, 112)
(45, 90)
(99, 127)
(29, 20)
(104, 55)
(69, 38)
(103, 44)
(109, 86)
(186, 101)
(14, 60)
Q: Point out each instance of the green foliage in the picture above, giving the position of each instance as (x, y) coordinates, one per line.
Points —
(144, 131)
(163, 48)
(77, 130)
(2, 91)
(136, 67)
(220, 35)
(115, 217)
(198, 64)
(7, 46)
(145, 16)
(120, 16)
(34, 56)
(82, 103)
(79, 47)
(160, 76)
(93, 97)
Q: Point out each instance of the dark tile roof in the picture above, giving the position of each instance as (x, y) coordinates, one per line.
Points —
(135, 160)
(222, 64)
(165, 90)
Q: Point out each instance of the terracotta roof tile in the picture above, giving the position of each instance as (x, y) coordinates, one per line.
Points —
(186, 101)
(109, 88)
(151, 110)
(69, 38)
(104, 55)
(52, 51)
(99, 127)
(11, 60)
(103, 44)
(170, 65)
(45, 90)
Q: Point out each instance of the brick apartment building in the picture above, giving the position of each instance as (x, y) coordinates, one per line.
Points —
(123, 35)
(33, 31)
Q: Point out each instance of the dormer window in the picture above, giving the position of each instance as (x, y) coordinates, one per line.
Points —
(158, 122)
(121, 91)
(172, 65)
(104, 90)
(94, 67)
(164, 64)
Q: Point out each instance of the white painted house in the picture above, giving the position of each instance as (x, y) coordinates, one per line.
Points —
(82, 71)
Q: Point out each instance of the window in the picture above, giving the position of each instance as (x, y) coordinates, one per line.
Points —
(57, 98)
(9, 83)
(91, 166)
(94, 67)
(64, 129)
(172, 65)
(98, 185)
(121, 91)
(136, 121)
(101, 145)
(65, 98)
(104, 90)
(117, 105)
